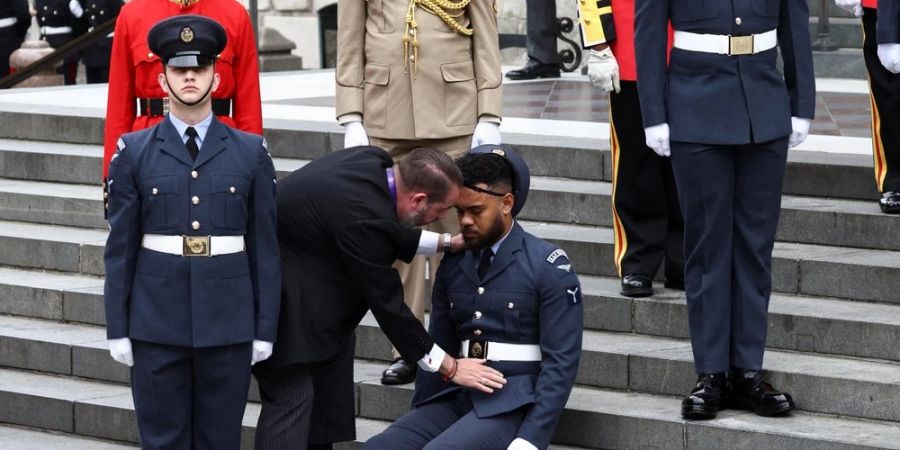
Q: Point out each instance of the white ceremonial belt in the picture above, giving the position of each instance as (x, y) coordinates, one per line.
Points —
(49, 31)
(193, 245)
(724, 44)
(7, 22)
(500, 351)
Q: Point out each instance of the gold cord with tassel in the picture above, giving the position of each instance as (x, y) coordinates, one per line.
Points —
(438, 8)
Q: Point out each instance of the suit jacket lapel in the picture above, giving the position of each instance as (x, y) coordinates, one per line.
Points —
(506, 253)
(172, 143)
(214, 142)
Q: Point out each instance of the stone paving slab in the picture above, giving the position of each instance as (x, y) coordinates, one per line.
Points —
(19, 438)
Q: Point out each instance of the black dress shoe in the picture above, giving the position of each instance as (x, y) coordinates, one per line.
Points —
(534, 69)
(635, 285)
(890, 202)
(707, 398)
(749, 391)
(399, 372)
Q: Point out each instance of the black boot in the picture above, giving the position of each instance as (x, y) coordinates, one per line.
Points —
(534, 69)
(749, 391)
(707, 398)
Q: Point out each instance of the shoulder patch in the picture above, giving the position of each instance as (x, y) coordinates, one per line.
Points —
(120, 145)
(556, 255)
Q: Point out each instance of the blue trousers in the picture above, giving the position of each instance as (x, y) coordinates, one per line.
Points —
(449, 423)
(731, 198)
(190, 398)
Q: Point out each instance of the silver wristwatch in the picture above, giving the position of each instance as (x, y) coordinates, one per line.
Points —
(446, 240)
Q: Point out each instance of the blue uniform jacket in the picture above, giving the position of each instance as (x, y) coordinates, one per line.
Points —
(888, 27)
(531, 296)
(191, 301)
(708, 98)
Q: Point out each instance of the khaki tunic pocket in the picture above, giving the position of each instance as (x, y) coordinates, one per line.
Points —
(375, 93)
(460, 93)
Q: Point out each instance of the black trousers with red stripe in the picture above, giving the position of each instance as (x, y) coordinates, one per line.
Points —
(885, 90)
(647, 220)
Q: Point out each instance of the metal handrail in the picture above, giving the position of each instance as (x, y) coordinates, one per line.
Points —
(66, 50)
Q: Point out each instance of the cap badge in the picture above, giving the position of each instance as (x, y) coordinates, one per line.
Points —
(187, 35)
(498, 151)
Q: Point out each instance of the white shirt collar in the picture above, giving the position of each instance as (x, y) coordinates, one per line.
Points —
(201, 128)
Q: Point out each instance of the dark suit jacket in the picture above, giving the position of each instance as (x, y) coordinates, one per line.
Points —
(888, 28)
(709, 98)
(531, 296)
(339, 235)
(191, 301)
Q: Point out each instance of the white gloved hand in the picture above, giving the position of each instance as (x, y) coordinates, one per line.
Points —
(799, 131)
(486, 133)
(521, 444)
(658, 139)
(889, 54)
(355, 135)
(262, 350)
(603, 70)
(120, 350)
(851, 6)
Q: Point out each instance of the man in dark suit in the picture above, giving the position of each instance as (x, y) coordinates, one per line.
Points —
(343, 221)
(14, 23)
(192, 272)
(512, 299)
(540, 41)
(732, 117)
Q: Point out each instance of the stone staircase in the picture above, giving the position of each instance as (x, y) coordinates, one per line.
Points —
(834, 323)
(846, 33)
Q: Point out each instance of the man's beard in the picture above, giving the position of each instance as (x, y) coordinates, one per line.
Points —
(489, 238)
(415, 218)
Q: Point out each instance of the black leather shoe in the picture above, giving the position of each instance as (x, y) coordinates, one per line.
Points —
(534, 69)
(707, 398)
(399, 372)
(749, 391)
(635, 285)
(890, 202)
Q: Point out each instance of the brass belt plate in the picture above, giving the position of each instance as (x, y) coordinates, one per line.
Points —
(196, 246)
(477, 349)
(740, 45)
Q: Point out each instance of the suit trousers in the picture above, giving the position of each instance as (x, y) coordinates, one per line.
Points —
(307, 406)
(647, 223)
(731, 200)
(884, 88)
(541, 30)
(449, 423)
(190, 398)
(413, 274)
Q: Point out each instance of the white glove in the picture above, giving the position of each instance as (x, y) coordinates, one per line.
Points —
(889, 54)
(851, 6)
(658, 139)
(120, 350)
(486, 133)
(520, 444)
(603, 70)
(262, 350)
(799, 131)
(355, 135)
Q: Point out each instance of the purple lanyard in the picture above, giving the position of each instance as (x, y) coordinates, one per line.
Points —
(392, 184)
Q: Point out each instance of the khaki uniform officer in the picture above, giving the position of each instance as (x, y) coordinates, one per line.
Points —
(414, 73)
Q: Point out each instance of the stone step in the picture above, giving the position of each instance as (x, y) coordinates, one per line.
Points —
(594, 418)
(21, 438)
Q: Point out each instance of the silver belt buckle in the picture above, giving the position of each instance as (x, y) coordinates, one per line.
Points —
(740, 45)
(195, 246)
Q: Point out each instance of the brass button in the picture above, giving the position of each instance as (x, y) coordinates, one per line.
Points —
(154, 191)
(195, 200)
(451, 305)
(232, 190)
(93, 17)
(195, 225)
(477, 332)
(106, 195)
(477, 315)
(511, 305)
(101, 12)
(194, 174)
(150, 55)
(587, 21)
(738, 21)
(480, 290)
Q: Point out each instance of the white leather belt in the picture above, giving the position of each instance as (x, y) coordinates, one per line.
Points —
(193, 245)
(726, 44)
(49, 31)
(500, 351)
(7, 22)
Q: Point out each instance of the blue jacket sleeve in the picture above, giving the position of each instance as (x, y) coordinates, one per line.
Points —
(561, 325)
(262, 248)
(887, 30)
(651, 37)
(442, 330)
(796, 51)
(123, 242)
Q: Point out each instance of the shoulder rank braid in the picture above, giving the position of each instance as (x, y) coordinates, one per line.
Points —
(438, 8)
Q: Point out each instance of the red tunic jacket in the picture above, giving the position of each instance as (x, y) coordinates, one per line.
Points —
(133, 68)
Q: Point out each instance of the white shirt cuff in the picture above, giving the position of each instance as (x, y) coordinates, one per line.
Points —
(521, 444)
(432, 361)
(428, 243)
